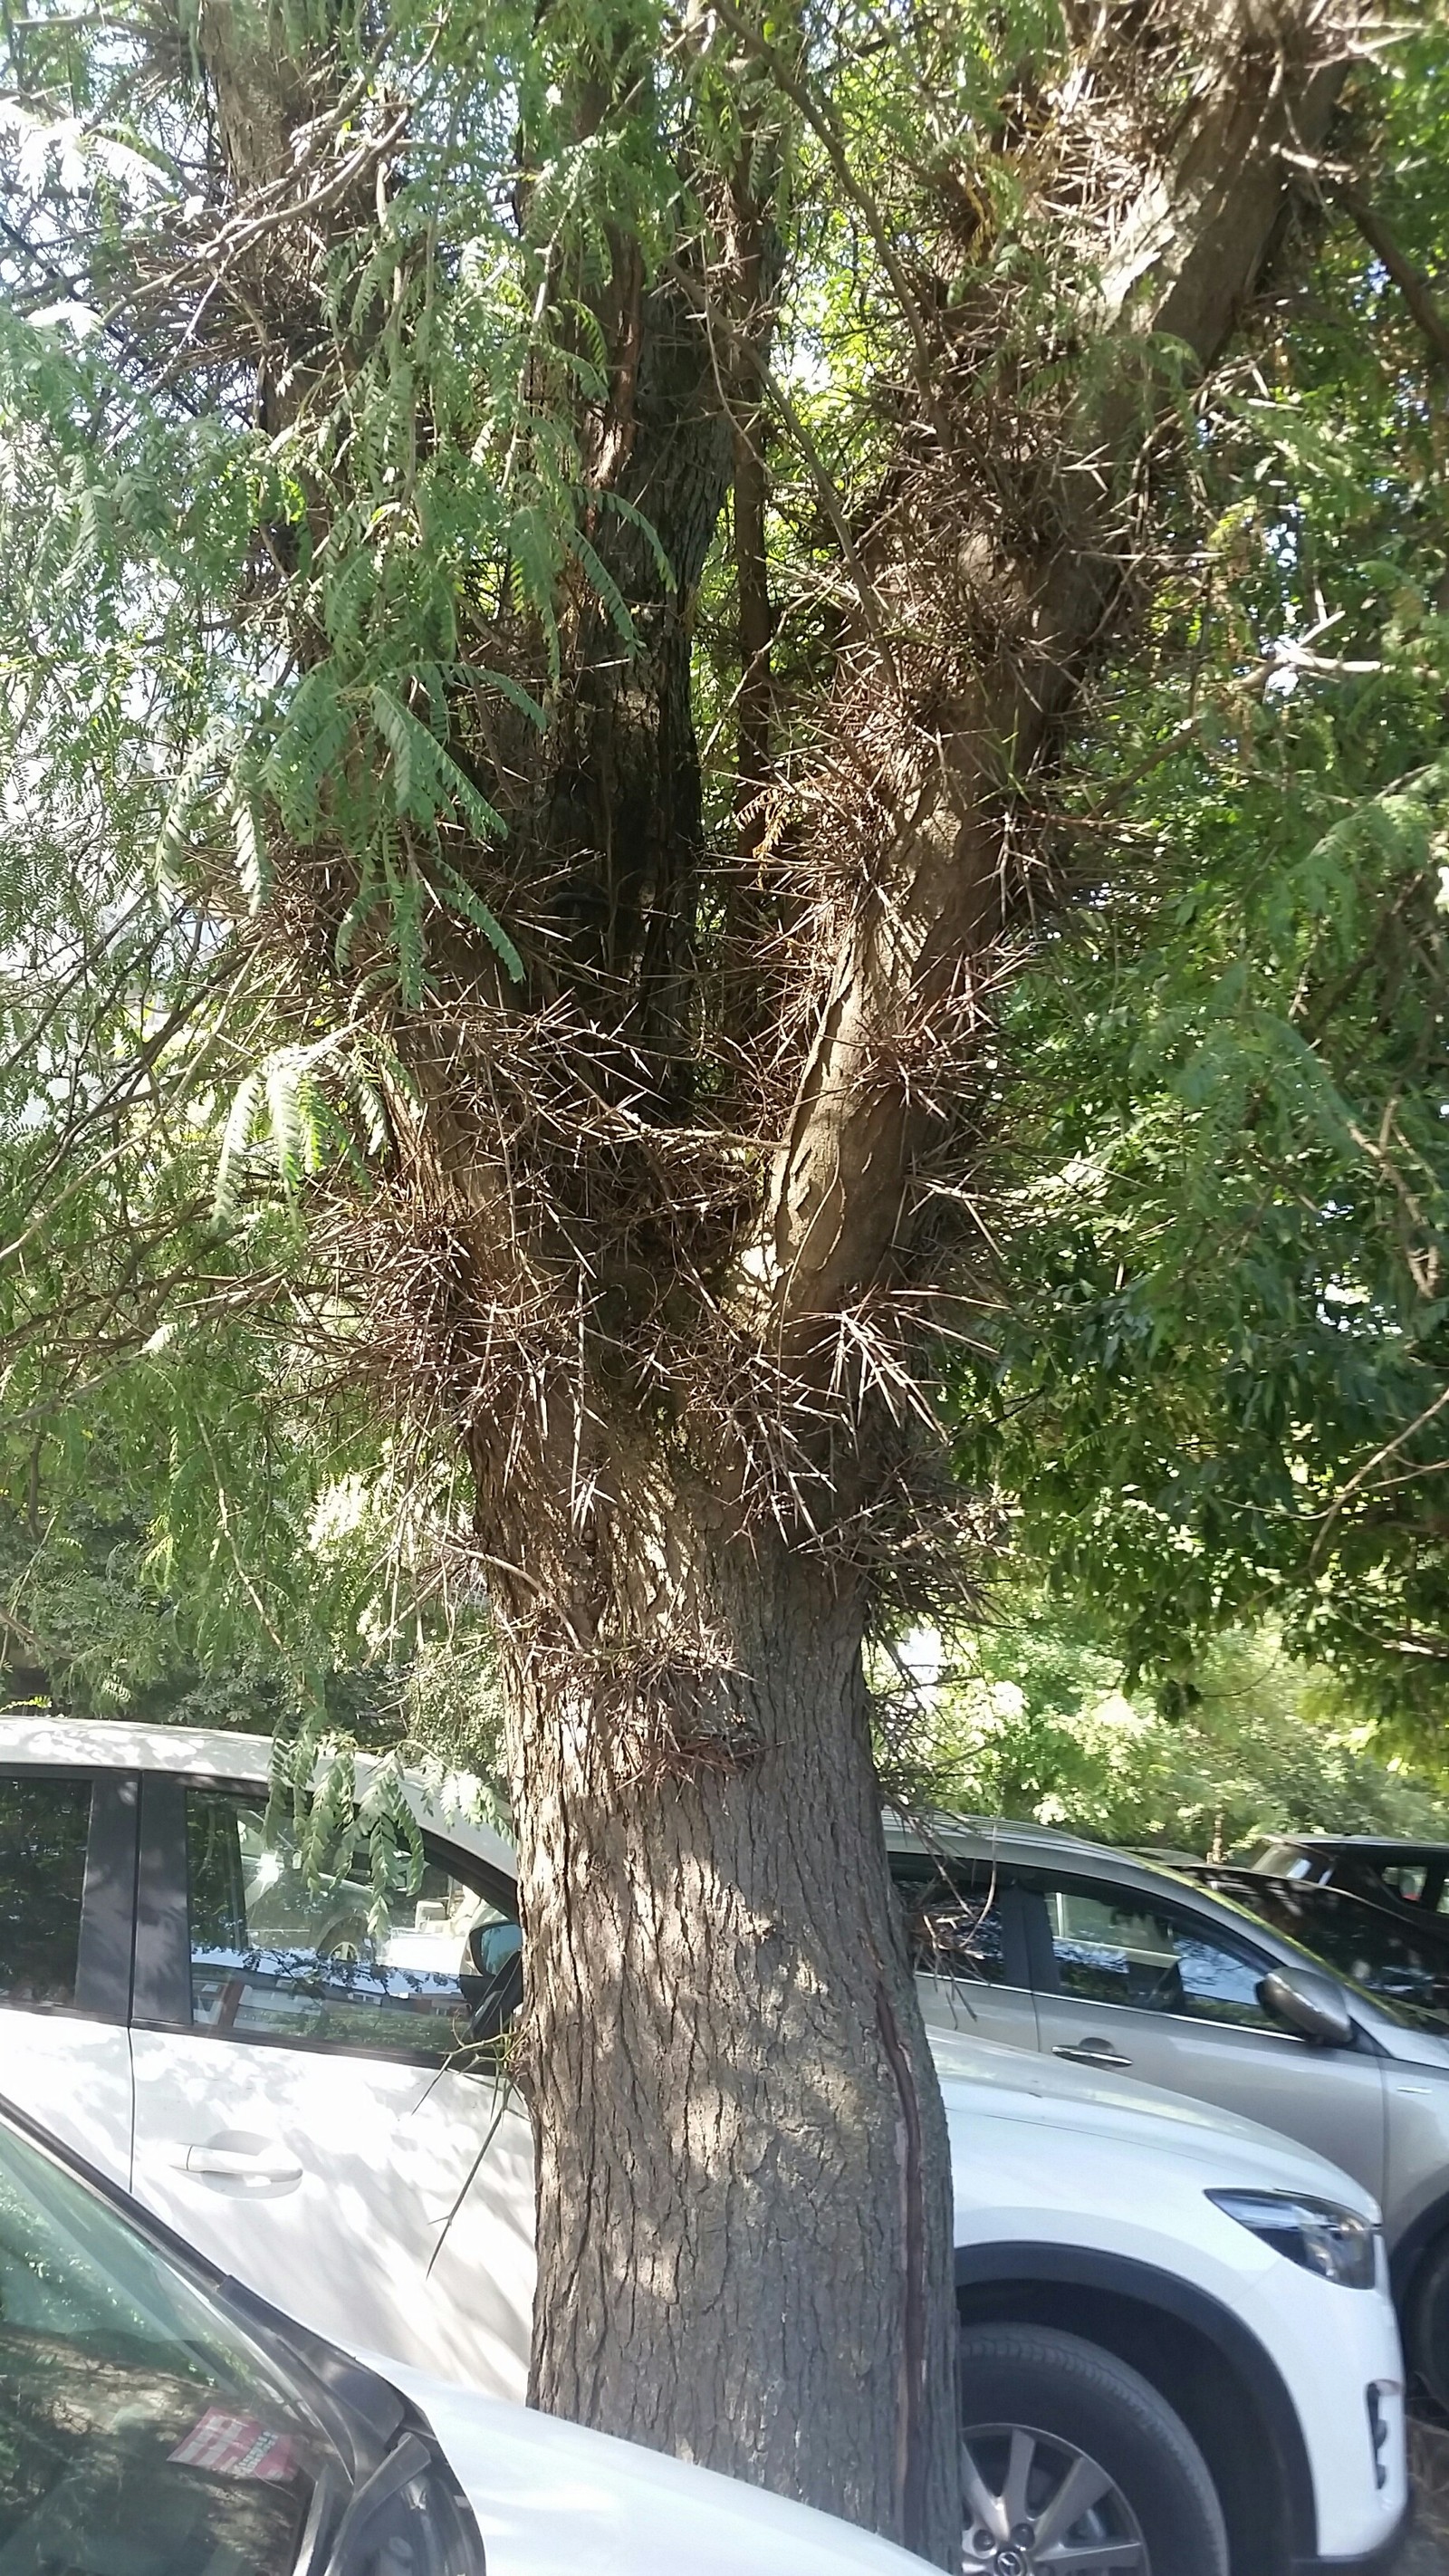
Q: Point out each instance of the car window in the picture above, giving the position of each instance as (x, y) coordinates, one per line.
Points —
(139, 2434)
(44, 1828)
(422, 1968)
(1405, 1879)
(1281, 1860)
(1365, 1943)
(954, 1925)
(1126, 1949)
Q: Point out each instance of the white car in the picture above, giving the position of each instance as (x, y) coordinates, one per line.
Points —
(157, 2421)
(1177, 2347)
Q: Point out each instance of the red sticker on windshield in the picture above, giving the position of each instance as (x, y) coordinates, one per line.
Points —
(237, 2446)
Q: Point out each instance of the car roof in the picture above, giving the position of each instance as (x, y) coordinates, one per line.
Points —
(215, 1753)
(985, 1837)
(1402, 1844)
(941, 1830)
(117, 1744)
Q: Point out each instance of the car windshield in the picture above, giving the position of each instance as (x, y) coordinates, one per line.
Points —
(140, 2433)
(1369, 1948)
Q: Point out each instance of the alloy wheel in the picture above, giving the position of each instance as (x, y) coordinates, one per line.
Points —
(1035, 2505)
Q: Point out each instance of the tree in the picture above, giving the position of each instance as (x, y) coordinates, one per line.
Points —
(442, 374)
(1031, 1720)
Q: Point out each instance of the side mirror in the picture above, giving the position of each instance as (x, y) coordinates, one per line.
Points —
(491, 1980)
(1307, 2004)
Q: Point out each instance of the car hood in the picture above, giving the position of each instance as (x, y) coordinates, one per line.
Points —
(980, 2080)
(554, 2500)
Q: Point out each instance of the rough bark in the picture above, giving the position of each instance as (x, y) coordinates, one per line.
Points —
(744, 2212)
(756, 615)
(617, 820)
(744, 2187)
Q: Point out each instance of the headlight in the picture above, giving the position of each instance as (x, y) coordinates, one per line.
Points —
(1335, 2243)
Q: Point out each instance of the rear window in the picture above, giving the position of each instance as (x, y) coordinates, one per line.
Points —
(1280, 1860)
(44, 1830)
(953, 1916)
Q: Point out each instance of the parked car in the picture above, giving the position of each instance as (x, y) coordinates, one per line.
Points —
(157, 2421)
(1176, 2337)
(1383, 1947)
(1100, 1958)
(1376, 1865)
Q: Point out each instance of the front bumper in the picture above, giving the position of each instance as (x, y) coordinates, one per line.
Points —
(1378, 2562)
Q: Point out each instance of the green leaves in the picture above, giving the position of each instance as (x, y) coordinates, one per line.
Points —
(1225, 1232)
(312, 1110)
(189, 796)
(236, 1140)
(1034, 1722)
(1210, 1389)
(253, 861)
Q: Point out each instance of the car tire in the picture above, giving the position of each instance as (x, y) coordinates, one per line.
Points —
(1039, 2408)
(1427, 2335)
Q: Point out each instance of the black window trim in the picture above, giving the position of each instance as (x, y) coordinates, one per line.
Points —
(161, 1997)
(105, 1959)
(161, 1989)
(1046, 1978)
(104, 1937)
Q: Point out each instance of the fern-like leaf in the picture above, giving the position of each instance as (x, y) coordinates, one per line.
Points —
(253, 859)
(236, 1139)
(281, 1076)
(461, 898)
(603, 582)
(186, 796)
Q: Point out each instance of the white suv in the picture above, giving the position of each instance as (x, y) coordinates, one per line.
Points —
(1177, 2347)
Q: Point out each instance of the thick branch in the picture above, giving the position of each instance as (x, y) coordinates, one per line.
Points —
(912, 958)
(1411, 282)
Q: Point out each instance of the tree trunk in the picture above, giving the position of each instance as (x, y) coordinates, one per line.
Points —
(744, 2201)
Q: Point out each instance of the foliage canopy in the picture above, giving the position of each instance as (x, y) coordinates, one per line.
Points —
(1219, 1388)
(1213, 1388)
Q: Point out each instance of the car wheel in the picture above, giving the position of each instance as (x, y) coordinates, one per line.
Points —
(1071, 2463)
(1428, 2324)
(348, 1943)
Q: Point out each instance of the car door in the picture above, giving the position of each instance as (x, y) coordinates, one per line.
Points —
(967, 1942)
(67, 1871)
(1413, 1878)
(1147, 1987)
(311, 2111)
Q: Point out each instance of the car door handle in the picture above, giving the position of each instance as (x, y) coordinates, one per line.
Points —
(238, 2166)
(1092, 2052)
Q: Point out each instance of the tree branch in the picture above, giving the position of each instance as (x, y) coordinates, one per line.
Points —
(906, 980)
(1411, 282)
